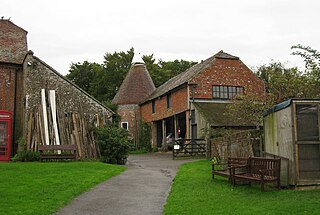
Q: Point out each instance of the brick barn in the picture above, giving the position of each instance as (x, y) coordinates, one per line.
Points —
(195, 99)
(32, 92)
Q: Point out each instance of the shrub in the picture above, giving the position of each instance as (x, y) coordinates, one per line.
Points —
(114, 143)
(25, 155)
(144, 136)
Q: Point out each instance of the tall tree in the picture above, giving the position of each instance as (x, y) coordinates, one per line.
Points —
(84, 75)
(311, 58)
(115, 68)
(283, 83)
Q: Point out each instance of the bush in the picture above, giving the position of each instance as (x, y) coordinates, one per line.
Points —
(25, 155)
(114, 143)
(144, 136)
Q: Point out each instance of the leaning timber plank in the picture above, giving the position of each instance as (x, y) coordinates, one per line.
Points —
(76, 134)
(45, 116)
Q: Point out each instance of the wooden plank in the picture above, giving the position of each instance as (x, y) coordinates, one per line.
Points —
(45, 116)
(52, 99)
(76, 134)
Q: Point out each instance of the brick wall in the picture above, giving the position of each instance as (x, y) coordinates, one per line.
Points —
(229, 73)
(179, 100)
(13, 42)
(7, 87)
(130, 114)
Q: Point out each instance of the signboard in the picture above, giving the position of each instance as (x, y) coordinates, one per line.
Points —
(176, 147)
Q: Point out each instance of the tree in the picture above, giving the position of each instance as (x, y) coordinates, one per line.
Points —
(164, 70)
(283, 83)
(311, 58)
(247, 109)
(84, 75)
(115, 68)
(103, 80)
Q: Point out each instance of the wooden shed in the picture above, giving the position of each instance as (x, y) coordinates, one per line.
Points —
(291, 131)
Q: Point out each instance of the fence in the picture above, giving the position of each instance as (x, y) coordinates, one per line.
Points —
(189, 148)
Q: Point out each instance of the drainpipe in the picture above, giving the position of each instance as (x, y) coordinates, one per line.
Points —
(14, 113)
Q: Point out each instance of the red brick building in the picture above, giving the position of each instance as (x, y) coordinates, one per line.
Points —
(179, 106)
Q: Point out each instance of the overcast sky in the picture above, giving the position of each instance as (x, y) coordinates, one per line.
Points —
(62, 32)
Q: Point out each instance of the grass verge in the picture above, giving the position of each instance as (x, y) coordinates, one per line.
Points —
(194, 192)
(42, 188)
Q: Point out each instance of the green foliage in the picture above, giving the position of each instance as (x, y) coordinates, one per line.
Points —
(34, 188)
(164, 70)
(115, 144)
(103, 80)
(283, 83)
(194, 192)
(24, 156)
(144, 136)
(84, 75)
(247, 109)
(311, 58)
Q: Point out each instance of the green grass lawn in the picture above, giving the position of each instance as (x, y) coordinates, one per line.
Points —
(42, 188)
(194, 192)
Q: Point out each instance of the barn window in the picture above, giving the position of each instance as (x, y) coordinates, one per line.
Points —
(153, 106)
(226, 92)
(169, 101)
(124, 125)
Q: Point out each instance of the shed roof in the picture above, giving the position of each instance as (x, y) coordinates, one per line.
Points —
(187, 75)
(136, 86)
(286, 104)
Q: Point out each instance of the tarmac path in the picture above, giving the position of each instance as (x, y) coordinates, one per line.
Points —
(142, 189)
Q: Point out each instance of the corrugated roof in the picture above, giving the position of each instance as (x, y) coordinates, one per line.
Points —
(136, 86)
(187, 75)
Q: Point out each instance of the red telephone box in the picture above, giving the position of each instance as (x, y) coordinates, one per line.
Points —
(5, 135)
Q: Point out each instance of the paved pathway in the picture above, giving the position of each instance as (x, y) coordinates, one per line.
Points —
(142, 189)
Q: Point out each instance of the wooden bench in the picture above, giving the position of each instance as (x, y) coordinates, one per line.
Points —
(259, 170)
(226, 170)
(72, 152)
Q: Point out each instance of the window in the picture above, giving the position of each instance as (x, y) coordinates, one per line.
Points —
(169, 102)
(226, 92)
(153, 106)
(124, 125)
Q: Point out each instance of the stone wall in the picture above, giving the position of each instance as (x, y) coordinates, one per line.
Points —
(77, 111)
(236, 144)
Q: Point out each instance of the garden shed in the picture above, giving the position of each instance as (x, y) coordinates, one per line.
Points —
(291, 131)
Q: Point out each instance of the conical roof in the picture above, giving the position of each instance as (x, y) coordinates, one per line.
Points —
(136, 86)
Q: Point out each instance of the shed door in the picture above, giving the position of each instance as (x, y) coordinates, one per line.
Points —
(4, 141)
(308, 141)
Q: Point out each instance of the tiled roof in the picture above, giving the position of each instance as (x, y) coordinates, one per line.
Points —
(136, 86)
(187, 75)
